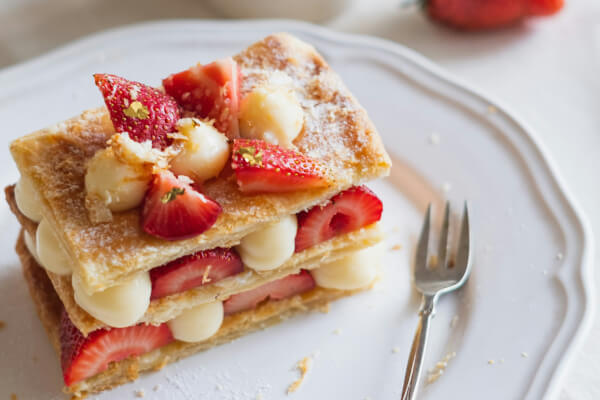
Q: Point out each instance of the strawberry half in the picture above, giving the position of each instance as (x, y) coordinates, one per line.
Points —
(140, 110)
(277, 290)
(210, 91)
(345, 212)
(489, 14)
(174, 210)
(82, 357)
(262, 167)
(195, 270)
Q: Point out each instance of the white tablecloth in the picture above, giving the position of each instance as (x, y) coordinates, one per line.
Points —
(547, 71)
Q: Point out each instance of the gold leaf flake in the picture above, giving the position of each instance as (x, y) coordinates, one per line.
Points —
(137, 110)
(172, 194)
(250, 155)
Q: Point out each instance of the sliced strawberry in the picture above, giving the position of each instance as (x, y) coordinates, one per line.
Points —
(82, 357)
(345, 212)
(195, 270)
(277, 290)
(262, 167)
(140, 110)
(174, 210)
(210, 91)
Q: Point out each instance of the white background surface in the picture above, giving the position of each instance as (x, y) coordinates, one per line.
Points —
(546, 72)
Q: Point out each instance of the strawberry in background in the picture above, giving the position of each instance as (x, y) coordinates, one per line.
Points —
(471, 15)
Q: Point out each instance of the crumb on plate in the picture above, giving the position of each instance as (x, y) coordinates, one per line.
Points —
(303, 366)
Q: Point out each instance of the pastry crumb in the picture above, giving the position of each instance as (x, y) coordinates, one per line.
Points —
(491, 109)
(139, 393)
(156, 388)
(433, 261)
(205, 278)
(501, 361)
(303, 366)
(396, 247)
(324, 308)
(434, 139)
(454, 321)
(2, 325)
(13, 396)
(440, 367)
(337, 331)
(491, 362)
(524, 355)
(259, 396)
(395, 350)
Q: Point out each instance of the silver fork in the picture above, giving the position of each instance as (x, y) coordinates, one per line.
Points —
(432, 279)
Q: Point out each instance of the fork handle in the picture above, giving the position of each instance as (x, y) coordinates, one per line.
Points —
(417, 351)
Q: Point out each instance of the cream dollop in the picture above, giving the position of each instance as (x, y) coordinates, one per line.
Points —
(117, 184)
(197, 323)
(205, 150)
(118, 306)
(30, 244)
(50, 252)
(271, 113)
(271, 246)
(27, 199)
(353, 271)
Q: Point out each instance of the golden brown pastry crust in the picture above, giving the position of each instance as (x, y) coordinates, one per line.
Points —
(336, 130)
(167, 308)
(49, 309)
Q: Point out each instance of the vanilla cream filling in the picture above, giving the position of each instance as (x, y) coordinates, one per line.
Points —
(354, 271)
(27, 199)
(118, 185)
(30, 244)
(50, 253)
(118, 306)
(271, 113)
(268, 248)
(205, 150)
(197, 323)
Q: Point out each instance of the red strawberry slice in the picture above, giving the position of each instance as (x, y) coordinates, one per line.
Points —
(210, 91)
(140, 110)
(345, 212)
(195, 270)
(82, 357)
(277, 290)
(173, 210)
(262, 167)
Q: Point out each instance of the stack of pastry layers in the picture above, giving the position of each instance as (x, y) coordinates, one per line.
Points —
(336, 131)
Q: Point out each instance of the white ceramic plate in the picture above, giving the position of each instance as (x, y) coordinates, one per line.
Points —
(527, 302)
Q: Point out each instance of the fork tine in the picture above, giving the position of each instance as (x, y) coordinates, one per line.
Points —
(421, 257)
(443, 245)
(463, 256)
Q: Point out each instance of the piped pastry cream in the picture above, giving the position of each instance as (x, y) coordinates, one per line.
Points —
(27, 199)
(205, 150)
(116, 184)
(118, 306)
(198, 323)
(50, 251)
(30, 244)
(269, 247)
(271, 113)
(354, 271)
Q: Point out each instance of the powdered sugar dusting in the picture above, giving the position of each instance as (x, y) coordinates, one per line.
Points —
(184, 383)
